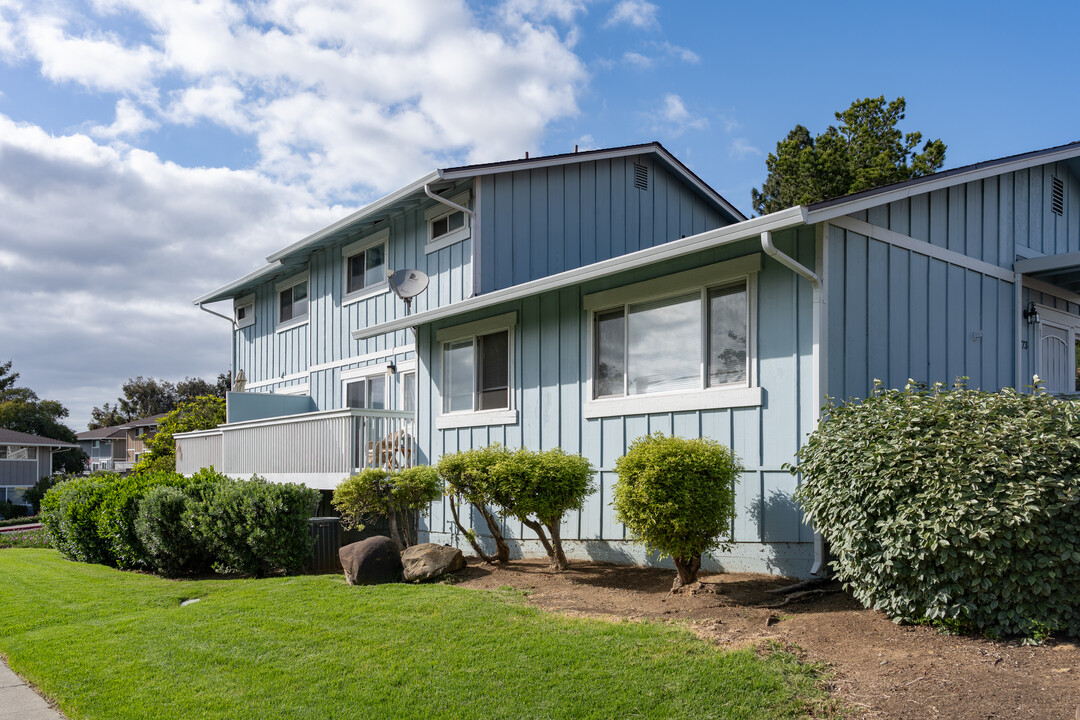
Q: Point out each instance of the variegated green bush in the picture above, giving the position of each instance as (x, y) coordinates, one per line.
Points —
(956, 505)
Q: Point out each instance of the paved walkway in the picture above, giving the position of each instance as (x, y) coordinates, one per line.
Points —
(19, 702)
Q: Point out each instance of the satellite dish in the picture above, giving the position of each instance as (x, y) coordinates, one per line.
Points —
(407, 284)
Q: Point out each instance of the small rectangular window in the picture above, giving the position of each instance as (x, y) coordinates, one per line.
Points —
(244, 311)
(293, 302)
(458, 361)
(610, 353)
(447, 224)
(408, 392)
(727, 335)
(366, 269)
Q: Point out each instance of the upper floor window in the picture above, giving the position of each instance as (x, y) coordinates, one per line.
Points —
(365, 265)
(293, 300)
(244, 311)
(680, 342)
(368, 393)
(446, 225)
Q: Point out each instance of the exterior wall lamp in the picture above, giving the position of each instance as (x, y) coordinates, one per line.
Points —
(1031, 314)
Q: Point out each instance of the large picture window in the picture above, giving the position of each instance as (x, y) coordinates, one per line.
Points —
(658, 346)
(678, 342)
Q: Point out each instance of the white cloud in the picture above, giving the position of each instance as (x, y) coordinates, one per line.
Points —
(680, 53)
(636, 13)
(130, 122)
(330, 94)
(637, 60)
(675, 119)
(104, 247)
(741, 148)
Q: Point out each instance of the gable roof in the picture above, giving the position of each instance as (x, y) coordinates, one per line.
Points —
(14, 437)
(291, 259)
(118, 431)
(827, 209)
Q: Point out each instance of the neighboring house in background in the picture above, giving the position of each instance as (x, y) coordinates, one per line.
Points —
(581, 301)
(25, 459)
(118, 447)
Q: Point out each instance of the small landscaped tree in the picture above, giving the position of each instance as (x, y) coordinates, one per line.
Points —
(202, 413)
(539, 488)
(677, 496)
(468, 480)
(375, 492)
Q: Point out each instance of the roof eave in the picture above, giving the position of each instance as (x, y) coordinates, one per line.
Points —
(792, 217)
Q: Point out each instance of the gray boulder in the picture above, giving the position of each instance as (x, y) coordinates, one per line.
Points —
(371, 562)
(428, 560)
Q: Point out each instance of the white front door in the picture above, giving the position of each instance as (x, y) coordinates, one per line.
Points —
(1059, 351)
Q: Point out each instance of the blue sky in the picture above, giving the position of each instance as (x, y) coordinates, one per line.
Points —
(149, 154)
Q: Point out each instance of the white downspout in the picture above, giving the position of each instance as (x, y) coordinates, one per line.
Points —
(448, 203)
(819, 363)
(232, 336)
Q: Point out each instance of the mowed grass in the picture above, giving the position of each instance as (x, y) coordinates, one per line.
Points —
(111, 645)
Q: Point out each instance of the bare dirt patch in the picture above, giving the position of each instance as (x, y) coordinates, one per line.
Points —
(881, 670)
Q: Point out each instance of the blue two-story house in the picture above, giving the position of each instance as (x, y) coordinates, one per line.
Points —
(584, 300)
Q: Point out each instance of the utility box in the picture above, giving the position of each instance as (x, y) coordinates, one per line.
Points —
(327, 534)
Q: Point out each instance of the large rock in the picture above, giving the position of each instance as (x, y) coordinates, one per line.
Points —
(428, 560)
(372, 561)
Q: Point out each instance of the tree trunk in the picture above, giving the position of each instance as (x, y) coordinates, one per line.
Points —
(469, 535)
(686, 571)
(558, 560)
(502, 550)
(394, 532)
(537, 528)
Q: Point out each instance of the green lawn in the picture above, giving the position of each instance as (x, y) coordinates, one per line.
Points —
(112, 645)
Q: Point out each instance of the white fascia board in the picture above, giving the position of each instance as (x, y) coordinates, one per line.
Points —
(792, 217)
(380, 204)
(919, 188)
(1047, 262)
(228, 291)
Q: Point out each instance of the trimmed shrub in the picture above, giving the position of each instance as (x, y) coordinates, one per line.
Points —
(958, 505)
(36, 492)
(363, 497)
(69, 513)
(468, 480)
(538, 488)
(164, 526)
(117, 512)
(677, 496)
(412, 492)
(254, 526)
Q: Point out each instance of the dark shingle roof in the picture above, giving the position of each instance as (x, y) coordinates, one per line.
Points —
(14, 437)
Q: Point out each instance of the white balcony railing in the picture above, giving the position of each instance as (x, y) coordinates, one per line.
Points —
(318, 448)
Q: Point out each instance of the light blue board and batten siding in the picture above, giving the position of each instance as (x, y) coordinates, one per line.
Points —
(325, 339)
(551, 365)
(988, 219)
(895, 314)
(543, 221)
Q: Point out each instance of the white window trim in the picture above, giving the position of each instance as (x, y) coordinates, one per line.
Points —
(278, 289)
(404, 368)
(381, 237)
(476, 418)
(299, 390)
(1062, 320)
(439, 211)
(241, 302)
(363, 373)
(702, 279)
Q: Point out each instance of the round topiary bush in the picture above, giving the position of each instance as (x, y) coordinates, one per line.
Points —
(677, 496)
(952, 505)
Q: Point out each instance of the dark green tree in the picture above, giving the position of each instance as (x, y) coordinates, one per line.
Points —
(23, 411)
(147, 396)
(202, 413)
(866, 151)
(106, 416)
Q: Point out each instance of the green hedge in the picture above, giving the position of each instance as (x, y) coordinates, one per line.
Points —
(173, 524)
(960, 506)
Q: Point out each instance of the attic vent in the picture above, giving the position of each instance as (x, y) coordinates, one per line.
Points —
(1057, 196)
(641, 177)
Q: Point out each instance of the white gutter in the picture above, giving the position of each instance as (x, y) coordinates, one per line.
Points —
(232, 338)
(745, 230)
(448, 203)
